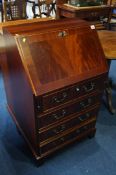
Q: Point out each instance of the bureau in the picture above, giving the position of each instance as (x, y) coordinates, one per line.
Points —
(54, 75)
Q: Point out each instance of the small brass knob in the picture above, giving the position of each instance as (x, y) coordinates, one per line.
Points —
(24, 40)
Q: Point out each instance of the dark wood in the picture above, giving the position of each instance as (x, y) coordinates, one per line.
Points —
(90, 13)
(60, 74)
(21, 21)
(109, 2)
(67, 139)
(84, 12)
(58, 118)
(54, 74)
(15, 84)
(58, 2)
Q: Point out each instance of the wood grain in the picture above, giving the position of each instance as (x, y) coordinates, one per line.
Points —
(53, 70)
(108, 42)
(59, 62)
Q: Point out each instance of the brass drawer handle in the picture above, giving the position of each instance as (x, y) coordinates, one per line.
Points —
(77, 89)
(82, 118)
(87, 115)
(85, 127)
(61, 129)
(89, 101)
(78, 131)
(57, 117)
(88, 89)
(59, 100)
(62, 139)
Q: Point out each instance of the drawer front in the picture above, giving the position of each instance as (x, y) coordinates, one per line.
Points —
(62, 140)
(75, 91)
(74, 122)
(70, 109)
(93, 13)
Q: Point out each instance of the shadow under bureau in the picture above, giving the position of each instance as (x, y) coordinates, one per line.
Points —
(54, 75)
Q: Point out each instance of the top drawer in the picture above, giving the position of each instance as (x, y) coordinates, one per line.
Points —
(64, 95)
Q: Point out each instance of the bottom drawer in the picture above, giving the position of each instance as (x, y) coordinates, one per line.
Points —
(67, 138)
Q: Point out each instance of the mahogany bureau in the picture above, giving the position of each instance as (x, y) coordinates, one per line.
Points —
(54, 75)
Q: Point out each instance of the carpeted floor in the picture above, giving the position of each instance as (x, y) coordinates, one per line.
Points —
(96, 156)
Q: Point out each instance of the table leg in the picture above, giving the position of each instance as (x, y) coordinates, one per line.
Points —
(108, 91)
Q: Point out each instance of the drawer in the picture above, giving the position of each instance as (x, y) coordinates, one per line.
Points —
(64, 126)
(70, 109)
(94, 13)
(75, 91)
(67, 138)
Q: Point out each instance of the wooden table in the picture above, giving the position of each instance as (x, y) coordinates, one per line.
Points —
(88, 13)
(108, 42)
(66, 10)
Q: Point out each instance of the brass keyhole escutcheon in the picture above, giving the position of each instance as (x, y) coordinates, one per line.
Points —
(62, 34)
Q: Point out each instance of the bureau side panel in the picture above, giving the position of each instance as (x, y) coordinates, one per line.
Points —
(18, 91)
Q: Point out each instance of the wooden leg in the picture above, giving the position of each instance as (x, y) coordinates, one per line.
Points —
(108, 91)
(92, 134)
(39, 163)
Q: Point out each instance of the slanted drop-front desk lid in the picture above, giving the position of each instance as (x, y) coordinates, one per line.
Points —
(58, 53)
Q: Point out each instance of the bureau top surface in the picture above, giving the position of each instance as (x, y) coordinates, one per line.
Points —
(60, 54)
